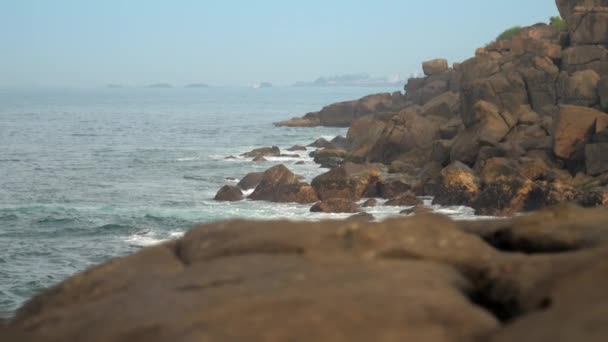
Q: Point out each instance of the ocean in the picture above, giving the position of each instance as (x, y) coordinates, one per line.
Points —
(91, 174)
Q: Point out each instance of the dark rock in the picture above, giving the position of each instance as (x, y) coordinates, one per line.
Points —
(348, 181)
(370, 203)
(300, 162)
(417, 210)
(230, 157)
(596, 158)
(295, 148)
(329, 157)
(263, 152)
(280, 185)
(335, 205)
(580, 88)
(393, 186)
(340, 142)
(259, 160)
(602, 90)
(229, 194)
(573, 128)
(361, 217)
(251, 180)
(446, 106)
(404, 200)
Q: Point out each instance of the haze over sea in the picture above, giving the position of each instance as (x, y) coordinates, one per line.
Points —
(90, 174)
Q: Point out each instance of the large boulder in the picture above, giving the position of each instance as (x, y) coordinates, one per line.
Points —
(335, 205)
(407, 199)
(458, 185)
(329, 157)
(229, 194)
(580, 88)
(586, 57)
(446, 105)
(348, 181)
(573, 129)
(273, 151)
(251, 180)
(588, 23)
(435, 67)
(280, 185)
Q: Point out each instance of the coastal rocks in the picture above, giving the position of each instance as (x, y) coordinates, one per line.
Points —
(435, 67)
(580, 88)
(407, 199)
(596, 158)
(280, 185)
(370, 203)
(573, 129)
(335, 205)
(251, 180)
(329, 157)
(458, 185)
(296, 148)
(348, 181)
(263, 152)
(321, 143)
(544, 274)
(344, 113)
(229, 194)
(586, 57)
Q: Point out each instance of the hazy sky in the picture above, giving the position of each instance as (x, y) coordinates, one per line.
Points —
(223, 42)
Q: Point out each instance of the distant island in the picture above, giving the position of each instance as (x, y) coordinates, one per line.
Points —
(160, 85)
(352, 80)
(197, 85)
(262, 85)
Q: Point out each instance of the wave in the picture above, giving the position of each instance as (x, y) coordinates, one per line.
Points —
(8, 217)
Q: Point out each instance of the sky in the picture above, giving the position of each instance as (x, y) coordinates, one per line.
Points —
(241, 42)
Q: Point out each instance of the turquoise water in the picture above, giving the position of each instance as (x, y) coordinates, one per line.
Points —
(90, 174)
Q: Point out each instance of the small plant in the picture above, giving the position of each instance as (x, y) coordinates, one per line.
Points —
(558, 23)
(510, 33)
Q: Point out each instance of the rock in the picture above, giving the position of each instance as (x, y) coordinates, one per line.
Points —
(335, 205)
(370, 203)
(588, 25)
(458, 185)
(393, 186)
(306, 121)
(548, 194)
(417, 210)
(340, 142)
(573, 128)
(594, 197)
(602, 90)
(259, 160)
(404, 200)
(545, 274)
(230, 157)
(263, 152)
(301, 162)
(446, 105)
(505, 190)
(526, 116)
(361, 217)
(321, 143)
(441, 151)
(579, 89)
(435, 67)
(450, 129)
(295, 148)
(348, 181)
(586, 57)
(251, 180)
(596, 158)
(229, 194)
(280, 185)
(329, 157)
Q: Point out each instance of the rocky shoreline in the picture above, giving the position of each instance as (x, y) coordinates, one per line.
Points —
(520, 127)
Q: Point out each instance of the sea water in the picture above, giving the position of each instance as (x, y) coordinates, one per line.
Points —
(91, 174)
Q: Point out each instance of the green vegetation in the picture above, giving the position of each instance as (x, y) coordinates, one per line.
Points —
(558, 23)
(510, 33)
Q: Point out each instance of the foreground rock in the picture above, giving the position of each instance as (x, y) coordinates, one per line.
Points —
(423, 279)
(229, 194)
(280, 185)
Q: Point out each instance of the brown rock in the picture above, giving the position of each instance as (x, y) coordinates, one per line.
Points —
(335, 205)
(596, 158)
(573, 128)
(586, 57)
(579, 89)
(458, 185)
(229, 194)
(251, 180)
(417, 210)
(263, 152)
(435, 67)
(404, 200)
(280, 185)
(259, 159)
(321, 143)
(588, 24)
(370, 203)
(602, 90)
(446, 105)
(329, 157)
(392, 186)
(295, 148)
(306, 121)
(348, 181)
(361, 217)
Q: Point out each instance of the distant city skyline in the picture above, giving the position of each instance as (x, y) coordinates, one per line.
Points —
(220, 43)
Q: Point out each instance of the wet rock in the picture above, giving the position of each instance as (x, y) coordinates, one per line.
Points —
(321, 143)
(458, 185)
(259, 160)
(404, 200)
(335, 205)
(251, 180)
(263, 152)
(417, 210)
(301, 162)
(348, 181)
(329, 157)
(280, 185)
(370, 203)
(295, 148)
(361, 217)
(229, 194)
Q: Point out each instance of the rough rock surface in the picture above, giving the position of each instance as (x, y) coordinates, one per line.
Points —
(280, 185)
(425, 278)
(251, 180)
(229, 194)
(348, 181)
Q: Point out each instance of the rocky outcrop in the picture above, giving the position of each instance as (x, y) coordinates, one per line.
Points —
(280, 185)
(533, 278)
(457, 185)
(335, 205)
(329, 157)
(229, 194)
(263, 152)
(348, 181)
(251, 180)
(407, 199)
